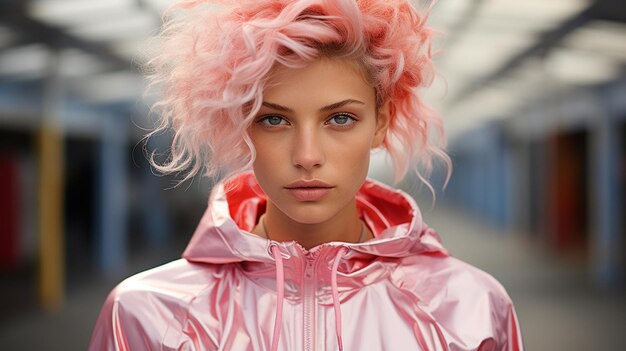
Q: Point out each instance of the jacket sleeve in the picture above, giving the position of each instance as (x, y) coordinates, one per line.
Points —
(135, 319)
(476, 310)
(506, 328)
(110, 331)
(513, 334)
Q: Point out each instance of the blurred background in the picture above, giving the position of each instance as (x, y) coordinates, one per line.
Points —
(533, 95)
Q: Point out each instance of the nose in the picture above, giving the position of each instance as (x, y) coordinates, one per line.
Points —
(308, 151)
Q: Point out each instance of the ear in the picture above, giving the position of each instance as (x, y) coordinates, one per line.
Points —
(382, 124)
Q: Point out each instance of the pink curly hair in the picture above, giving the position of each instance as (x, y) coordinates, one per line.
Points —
(217, 55)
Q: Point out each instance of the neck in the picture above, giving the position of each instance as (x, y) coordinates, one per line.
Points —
(344, 226)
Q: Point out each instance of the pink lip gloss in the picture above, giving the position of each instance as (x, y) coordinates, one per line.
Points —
(308, 194)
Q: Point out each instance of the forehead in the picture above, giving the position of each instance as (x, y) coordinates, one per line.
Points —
(324, 78)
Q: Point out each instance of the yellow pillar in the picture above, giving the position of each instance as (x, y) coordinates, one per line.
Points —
(51, 218)
(50, 194)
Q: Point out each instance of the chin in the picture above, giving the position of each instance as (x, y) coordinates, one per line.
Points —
(309, 214)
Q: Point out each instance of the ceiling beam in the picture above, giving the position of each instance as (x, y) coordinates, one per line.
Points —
(13, 13)
(546, 42)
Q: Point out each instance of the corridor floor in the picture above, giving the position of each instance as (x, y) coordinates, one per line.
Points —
(557, 306)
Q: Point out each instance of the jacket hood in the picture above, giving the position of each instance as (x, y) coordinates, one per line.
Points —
(223, 234)
(399, 290)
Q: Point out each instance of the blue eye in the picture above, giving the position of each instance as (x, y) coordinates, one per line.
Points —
(271, 120)
(343, 119)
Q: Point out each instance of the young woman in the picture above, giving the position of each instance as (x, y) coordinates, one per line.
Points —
(298, 249)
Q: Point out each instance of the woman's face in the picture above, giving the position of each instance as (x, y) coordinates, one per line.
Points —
(316, 123)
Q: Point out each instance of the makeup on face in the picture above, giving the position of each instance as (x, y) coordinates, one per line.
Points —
(313, 135)
(308, 190)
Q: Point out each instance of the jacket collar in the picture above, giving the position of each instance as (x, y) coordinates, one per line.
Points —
(223, 234)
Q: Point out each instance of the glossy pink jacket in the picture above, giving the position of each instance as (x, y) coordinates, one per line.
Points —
(234, 290)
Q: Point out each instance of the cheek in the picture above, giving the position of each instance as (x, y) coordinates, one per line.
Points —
(352, 156)
(262, 158)
(364, 159)
(270, 161)
(265, 146)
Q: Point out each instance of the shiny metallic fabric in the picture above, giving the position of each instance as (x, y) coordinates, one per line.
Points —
(234, 290)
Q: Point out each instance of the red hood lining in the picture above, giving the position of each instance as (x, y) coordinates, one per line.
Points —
(247, 202)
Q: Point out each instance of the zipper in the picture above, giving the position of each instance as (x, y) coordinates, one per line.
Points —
(309, 302)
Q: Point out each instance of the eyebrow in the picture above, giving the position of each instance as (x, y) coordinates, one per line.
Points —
(330, 107)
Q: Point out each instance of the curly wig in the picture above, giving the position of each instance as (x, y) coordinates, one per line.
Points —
(216, 57)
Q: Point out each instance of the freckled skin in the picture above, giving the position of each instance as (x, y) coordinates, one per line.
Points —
(306, 143)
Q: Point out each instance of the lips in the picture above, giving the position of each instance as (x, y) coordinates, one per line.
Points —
(309, 190)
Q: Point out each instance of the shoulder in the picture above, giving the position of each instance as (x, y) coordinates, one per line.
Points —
(461, 298)
(177, 279)
(150, 308)
(170, 287)
(447, 276)
(176, 282)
